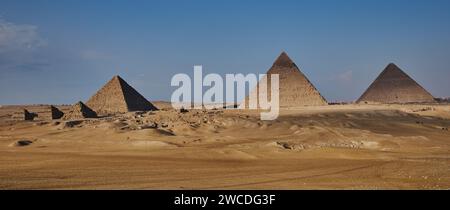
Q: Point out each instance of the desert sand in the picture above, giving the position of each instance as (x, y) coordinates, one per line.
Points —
(323, 147)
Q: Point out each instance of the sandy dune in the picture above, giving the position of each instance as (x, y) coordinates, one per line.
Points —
(329, 147)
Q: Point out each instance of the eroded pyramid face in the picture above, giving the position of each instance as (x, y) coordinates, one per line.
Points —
(294, 88)
(117, 96)
(394, 86)
(79, 111)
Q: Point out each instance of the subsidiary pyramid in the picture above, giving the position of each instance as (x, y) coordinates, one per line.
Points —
(79, 111)
(117, 96)
(56, 113)
(395, 86)
(28, 115)
(294, 88)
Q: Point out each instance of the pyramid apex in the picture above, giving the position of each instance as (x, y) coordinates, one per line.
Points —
(283, 60)
(117, 77)
(80, 103)
(392, 65)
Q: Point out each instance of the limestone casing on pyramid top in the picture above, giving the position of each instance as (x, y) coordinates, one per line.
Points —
(284, 60)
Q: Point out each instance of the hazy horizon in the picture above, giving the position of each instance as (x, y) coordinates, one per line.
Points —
(60, 52)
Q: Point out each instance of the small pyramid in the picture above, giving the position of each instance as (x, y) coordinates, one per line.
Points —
(80, 111)
(117, 96)
(294, 88)
(29, 116)
(394, 86)
(56, 113)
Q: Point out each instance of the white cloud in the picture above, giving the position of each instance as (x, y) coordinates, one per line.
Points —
(19, 38)
(19, 45)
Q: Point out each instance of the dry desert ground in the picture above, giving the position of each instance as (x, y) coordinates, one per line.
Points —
(323, 147)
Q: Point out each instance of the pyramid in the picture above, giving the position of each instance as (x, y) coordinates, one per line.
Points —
(29, 116)
(79, 111)
(56, 113)
(294, 88)
(395, 86)
(117, 96)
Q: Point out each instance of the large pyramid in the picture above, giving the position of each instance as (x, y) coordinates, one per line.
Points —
(117, 96)
(395, 86)
(294, 88)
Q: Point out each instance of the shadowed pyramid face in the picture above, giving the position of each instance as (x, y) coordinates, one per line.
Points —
(56, 113)
(394, 86)
(28, 115)
(117, 96)
(295, 89)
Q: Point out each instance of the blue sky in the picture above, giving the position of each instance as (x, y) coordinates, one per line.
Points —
(62, 51)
